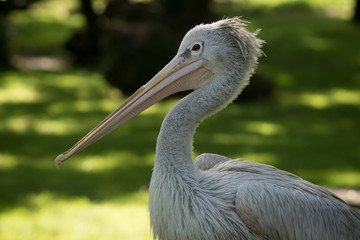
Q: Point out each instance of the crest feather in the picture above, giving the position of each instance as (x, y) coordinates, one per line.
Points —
(247, 41)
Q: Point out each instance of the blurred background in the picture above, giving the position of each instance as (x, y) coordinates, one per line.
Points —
(66, 64)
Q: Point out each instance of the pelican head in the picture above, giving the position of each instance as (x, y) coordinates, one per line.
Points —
(209, 55)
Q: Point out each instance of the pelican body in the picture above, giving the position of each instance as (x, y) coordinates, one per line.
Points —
(215, 197)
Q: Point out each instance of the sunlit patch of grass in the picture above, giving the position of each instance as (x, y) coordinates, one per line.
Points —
(109, 160)
(7, 161)
(161, 107)
(313, 3)
(41, 126)
(348, 178)
(334, 8)
(327, 99)
(263, 128)
(16, 124)
(48, 10)
(36, 86)
(345, 96)
(55, 127)
(84, 106)
(22, 124)
(56, 9)
(314, 100)
(332, 177)
(18, 92)
(48, 216)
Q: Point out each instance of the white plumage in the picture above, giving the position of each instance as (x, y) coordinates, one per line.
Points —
(214, 197)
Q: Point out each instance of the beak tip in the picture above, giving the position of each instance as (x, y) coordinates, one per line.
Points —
(59, 159)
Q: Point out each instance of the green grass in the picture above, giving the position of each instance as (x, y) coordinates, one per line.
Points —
(309, 127)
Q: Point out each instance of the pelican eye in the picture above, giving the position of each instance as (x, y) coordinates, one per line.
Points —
(196, 47)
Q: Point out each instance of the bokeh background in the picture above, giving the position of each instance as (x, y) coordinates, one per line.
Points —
(66, 64)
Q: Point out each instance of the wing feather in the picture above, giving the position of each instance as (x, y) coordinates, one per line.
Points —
(207, 161)
(275, 204)
(274, 211)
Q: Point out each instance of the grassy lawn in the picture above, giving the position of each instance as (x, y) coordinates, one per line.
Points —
(310, 126)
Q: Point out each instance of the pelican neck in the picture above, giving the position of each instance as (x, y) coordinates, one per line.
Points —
(174, 144)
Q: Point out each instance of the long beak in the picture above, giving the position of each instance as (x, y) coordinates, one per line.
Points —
(176, 76)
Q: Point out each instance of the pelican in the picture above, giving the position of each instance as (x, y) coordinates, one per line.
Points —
(214, 197)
